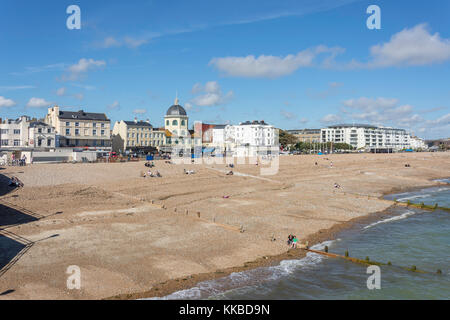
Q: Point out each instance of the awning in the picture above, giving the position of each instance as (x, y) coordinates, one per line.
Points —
(208, 150)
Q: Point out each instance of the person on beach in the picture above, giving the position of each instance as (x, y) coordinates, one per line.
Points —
(289, 242)
(294, 242)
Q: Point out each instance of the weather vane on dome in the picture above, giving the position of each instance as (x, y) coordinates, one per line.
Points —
(176, 99)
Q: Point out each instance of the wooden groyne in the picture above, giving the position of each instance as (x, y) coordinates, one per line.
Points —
(421, 206)
(367, 261)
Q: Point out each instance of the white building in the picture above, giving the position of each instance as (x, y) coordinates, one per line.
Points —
(25, 134)
(14, 133)
(417, 143)
(368, 137)
(41, 135)
(249, 138)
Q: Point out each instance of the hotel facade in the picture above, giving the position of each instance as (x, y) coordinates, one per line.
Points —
(80, 129)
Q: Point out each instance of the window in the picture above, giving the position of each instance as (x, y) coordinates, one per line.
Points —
(67, 132)
(49, 130)
(183, 122)
(49, 142)
(103, 132)
(174, 122)
(167, 122)
(4, 142)
(4, 131)
(39, 142)
(103, 125)
(94, 124)
(77, 124)
(39, 130)
(77, 132)
(17, 142)
(67, 124)
(94, 132)
(16, 131)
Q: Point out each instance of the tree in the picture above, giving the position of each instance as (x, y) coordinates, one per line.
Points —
(286, 139)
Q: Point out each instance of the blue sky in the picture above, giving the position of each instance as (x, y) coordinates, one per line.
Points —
(294, 64)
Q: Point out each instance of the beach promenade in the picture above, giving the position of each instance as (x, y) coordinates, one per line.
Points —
(135, 237)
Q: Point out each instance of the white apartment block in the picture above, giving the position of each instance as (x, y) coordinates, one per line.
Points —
(80, 129)
(25, 134)
(249, 138)
(368, 137)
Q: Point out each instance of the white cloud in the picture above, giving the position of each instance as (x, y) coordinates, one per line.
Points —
(139, 111)
(442, 121)
(378, 111)
(38, 103)
(115, 105)
(61, 91)
(86, 64)
(110, 42)
(411, 47)
(82, 67)
(6, 102)
(134, 43)
(130, 42)
(287, 115)
(303, 120)
(271, 66)
(7, 88)
(79, 96)
(331, 118)
(211, 94)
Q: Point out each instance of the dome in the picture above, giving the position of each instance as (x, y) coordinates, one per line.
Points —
(176, 110)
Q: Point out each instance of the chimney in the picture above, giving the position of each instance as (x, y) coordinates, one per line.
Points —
(135, 119)
(148, 121)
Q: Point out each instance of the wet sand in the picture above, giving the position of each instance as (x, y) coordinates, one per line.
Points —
(134, 237)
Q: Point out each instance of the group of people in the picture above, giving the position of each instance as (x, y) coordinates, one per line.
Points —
(150, 174)
(150, 165)
(18, 161)
(292, 241)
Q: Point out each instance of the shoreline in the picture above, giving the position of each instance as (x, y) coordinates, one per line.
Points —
(174, 285)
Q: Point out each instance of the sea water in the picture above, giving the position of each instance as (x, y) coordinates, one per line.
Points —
(405, 237)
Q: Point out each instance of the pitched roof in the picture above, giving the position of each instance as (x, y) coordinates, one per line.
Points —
(138, 124)
(81, 115)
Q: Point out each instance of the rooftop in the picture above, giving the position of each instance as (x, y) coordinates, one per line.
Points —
(81, 115)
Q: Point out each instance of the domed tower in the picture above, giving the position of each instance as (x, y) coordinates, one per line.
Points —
(176, 120)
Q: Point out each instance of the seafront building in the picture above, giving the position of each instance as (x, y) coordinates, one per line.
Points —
(80, 129)
(367, 137)
(249, 138)
(23, 133)
(417, 143)
(136, 135)
(306, 135)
